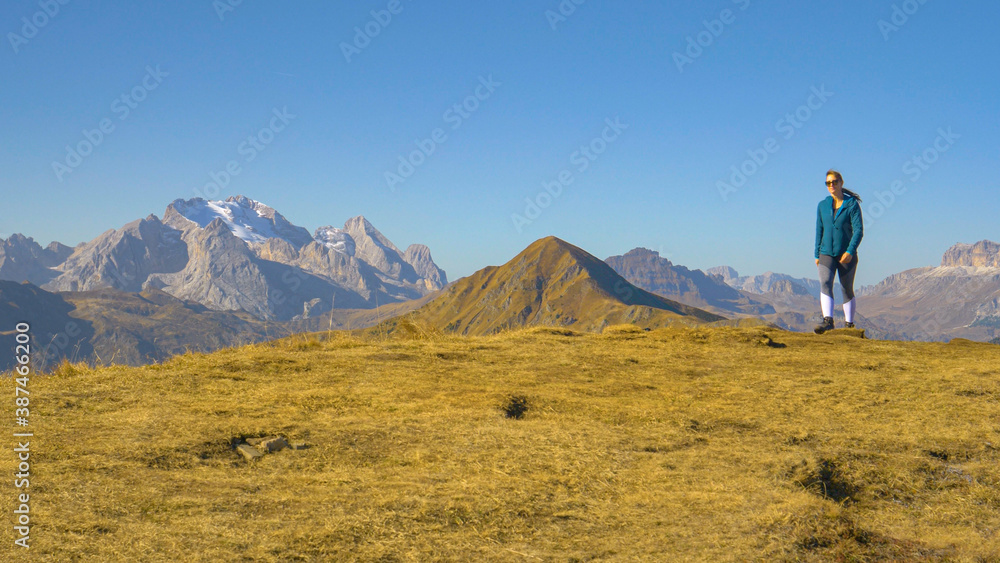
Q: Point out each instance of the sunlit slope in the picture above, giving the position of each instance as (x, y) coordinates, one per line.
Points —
(679, 444)
(551, 283)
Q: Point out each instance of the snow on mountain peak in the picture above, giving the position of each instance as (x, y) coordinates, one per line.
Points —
(254, 206)
(250, 220)
(336, 239)
(255, 223)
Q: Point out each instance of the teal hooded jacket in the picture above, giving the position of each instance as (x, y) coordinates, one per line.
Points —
(841, 231)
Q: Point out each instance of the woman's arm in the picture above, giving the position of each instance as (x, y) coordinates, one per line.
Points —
(857, 224)
(819, 230)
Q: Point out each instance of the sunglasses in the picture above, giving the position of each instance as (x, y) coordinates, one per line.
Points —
(833, 182)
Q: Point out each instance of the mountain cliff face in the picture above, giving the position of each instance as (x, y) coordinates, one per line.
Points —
(23, 259)
(983, 254)
(648, 270)
(419, 256)
(221, 272)
(551, 283)
(122, 258)
(958, 299)
(233, 255)
(372, 247)
(937, 303)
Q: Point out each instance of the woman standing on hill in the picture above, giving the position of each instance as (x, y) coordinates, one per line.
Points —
(838, 233)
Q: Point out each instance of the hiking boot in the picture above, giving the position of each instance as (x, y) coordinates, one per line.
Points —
(825, 326)
(849, 325)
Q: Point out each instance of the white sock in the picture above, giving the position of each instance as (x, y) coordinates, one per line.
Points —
(849, 310)
(826, 303)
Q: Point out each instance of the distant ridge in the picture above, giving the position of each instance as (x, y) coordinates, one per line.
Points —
(768, 283)
(551, 283)
(650, 271)
(111, 326)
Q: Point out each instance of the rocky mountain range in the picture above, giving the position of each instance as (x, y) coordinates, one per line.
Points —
(795, 300)
(234, 255)
(648, 270)
(768, 282)
(220, 273)
(958, 299)
(782, 300)
(23, 259)
(551, 283)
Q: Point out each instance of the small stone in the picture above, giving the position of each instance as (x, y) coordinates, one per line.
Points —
(272, 444)
(299, 446)
(249, 452)
(255, 441)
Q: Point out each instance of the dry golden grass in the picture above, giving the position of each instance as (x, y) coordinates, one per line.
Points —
(711, 444)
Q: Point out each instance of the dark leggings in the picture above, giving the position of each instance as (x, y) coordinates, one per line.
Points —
(830, 267)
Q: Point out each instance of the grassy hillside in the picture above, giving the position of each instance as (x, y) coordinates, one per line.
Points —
(108, 326)
(715, 444)
(551, 283)
(52, 324)
(140, 328)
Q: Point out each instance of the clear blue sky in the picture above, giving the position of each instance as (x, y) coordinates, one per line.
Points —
(655, 184)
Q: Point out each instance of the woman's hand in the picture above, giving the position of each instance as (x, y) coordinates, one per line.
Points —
(846, 258)
(817, 261)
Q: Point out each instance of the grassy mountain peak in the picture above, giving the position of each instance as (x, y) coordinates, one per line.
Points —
(552, 283)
